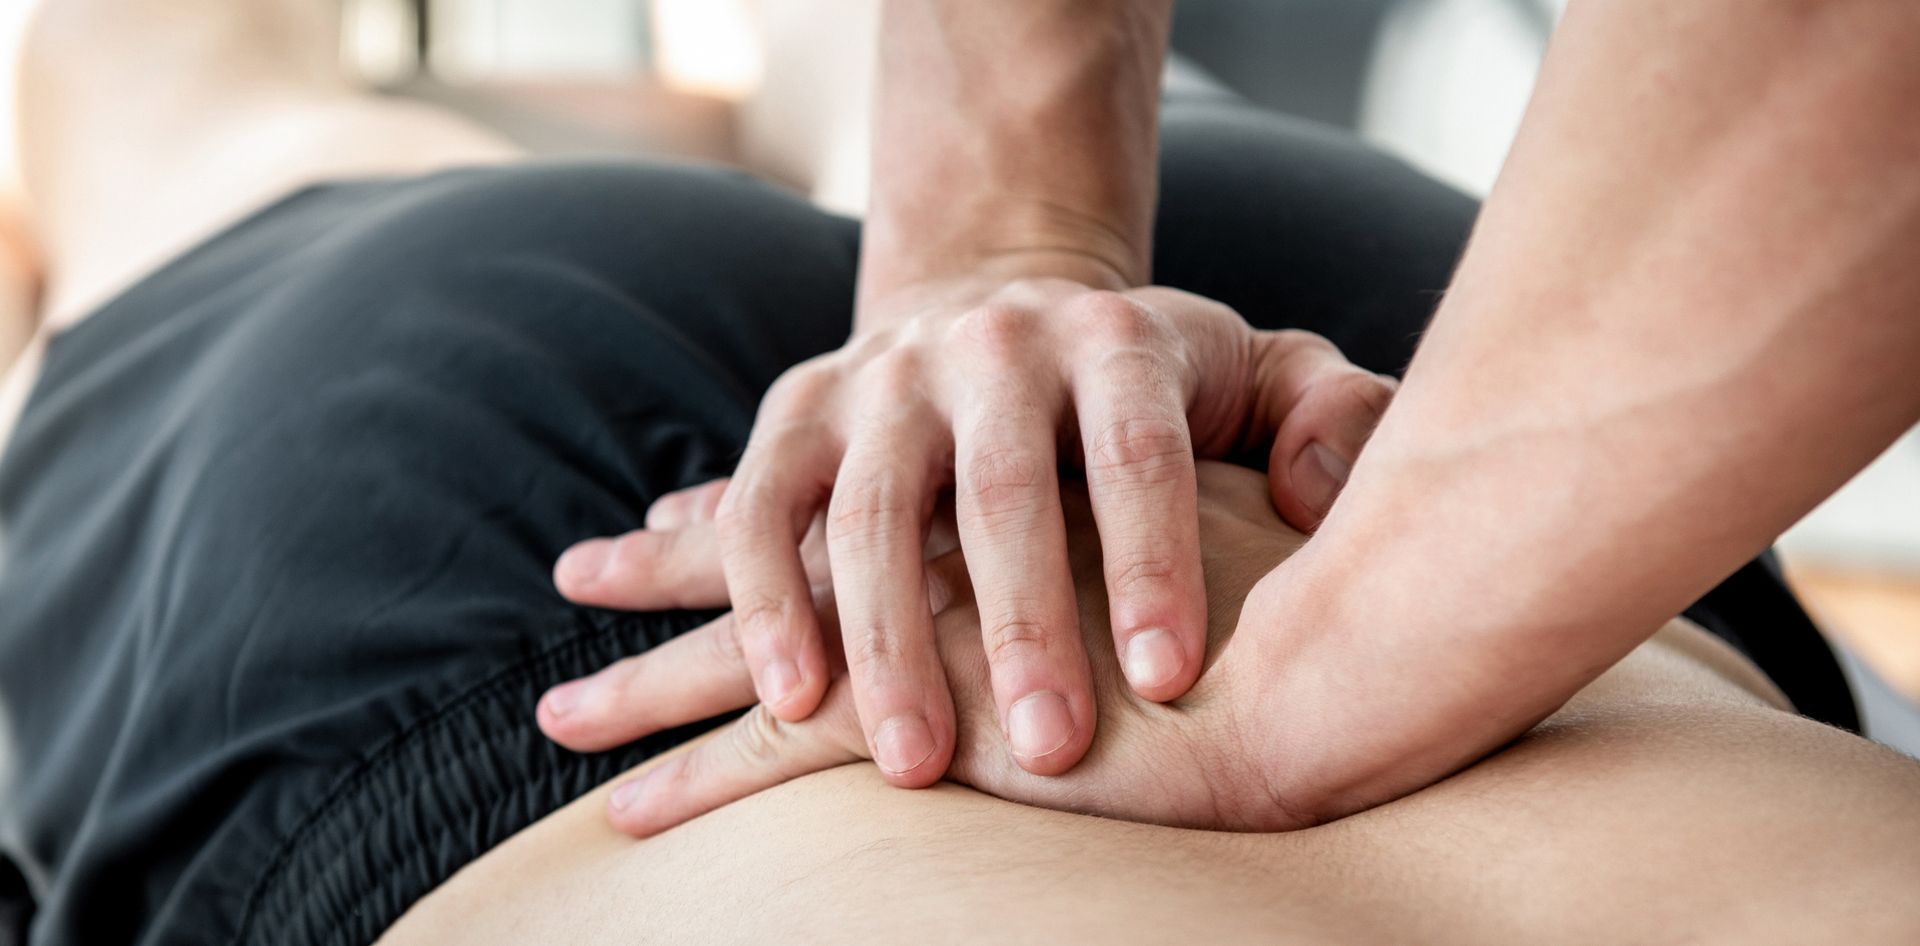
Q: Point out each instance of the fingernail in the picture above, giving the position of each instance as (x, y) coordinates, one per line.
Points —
(584, 562)
(1318, 475)
(564, 698)
(778, 680)
(1039, 724)
(1153, 659)
(902, 743)
(626, 793)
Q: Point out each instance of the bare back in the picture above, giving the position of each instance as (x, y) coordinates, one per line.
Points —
(1671, 799)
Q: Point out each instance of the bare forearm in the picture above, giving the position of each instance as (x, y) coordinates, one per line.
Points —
(1688, 314)
(1014, 138)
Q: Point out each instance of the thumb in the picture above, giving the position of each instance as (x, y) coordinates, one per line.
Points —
(1322, 409)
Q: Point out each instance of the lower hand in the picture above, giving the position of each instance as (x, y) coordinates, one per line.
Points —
(1194, 762)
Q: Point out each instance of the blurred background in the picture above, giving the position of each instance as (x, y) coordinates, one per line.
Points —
(780, 86)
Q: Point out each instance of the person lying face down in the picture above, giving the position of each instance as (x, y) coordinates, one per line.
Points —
(306, 428)
(1677, 793)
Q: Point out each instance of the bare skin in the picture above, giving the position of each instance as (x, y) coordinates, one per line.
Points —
(1671, 798)
(1685, 317)
(1640, 814)
(1674, 798)
(232, 109)
(1000, 333)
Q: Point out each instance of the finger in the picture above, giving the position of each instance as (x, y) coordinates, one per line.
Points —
(751, 754)
(780, 483)
(1320, 409)
(876, 535)
(649, 570)
(683, 507)
(1013, 532)
(1145, 498)
(695, 676)
(645, 570)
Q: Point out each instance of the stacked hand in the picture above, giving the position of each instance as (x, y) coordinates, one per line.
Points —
(987, 395)
(1192, 763)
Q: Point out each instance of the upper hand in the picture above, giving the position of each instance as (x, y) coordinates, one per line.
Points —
(989, 395)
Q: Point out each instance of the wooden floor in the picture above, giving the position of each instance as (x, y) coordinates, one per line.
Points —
(1876, 615)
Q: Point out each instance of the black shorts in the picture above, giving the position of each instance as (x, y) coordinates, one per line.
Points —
(275, 604)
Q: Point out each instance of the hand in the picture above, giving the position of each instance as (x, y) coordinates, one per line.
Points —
(985, 395)
(1189, 763)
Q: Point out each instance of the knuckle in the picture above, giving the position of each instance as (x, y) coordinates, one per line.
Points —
(1005, 480)
(996, 331)
(765, 615)
(872, 652)
(684, 774)
(869, 506)
(638, 550)
(1296, 341)
(864, 346)
(1016, 638)
(1367, 392)
(802, 386)
(1139, 573)
(893, 373)
(749, 514)
(1112, 320)
(632, 685)
(1153, 449)
(758, 737)
(665, 554)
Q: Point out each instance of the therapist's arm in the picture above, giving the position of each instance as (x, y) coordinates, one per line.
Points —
(1690, 311)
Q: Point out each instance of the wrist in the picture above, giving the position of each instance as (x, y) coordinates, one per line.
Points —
(1016, 137)
(1007, 275)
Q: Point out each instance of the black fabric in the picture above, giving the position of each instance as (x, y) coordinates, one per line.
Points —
(278, 522)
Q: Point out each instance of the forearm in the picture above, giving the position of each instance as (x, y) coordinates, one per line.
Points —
(1687, 315)
(1013, 138)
